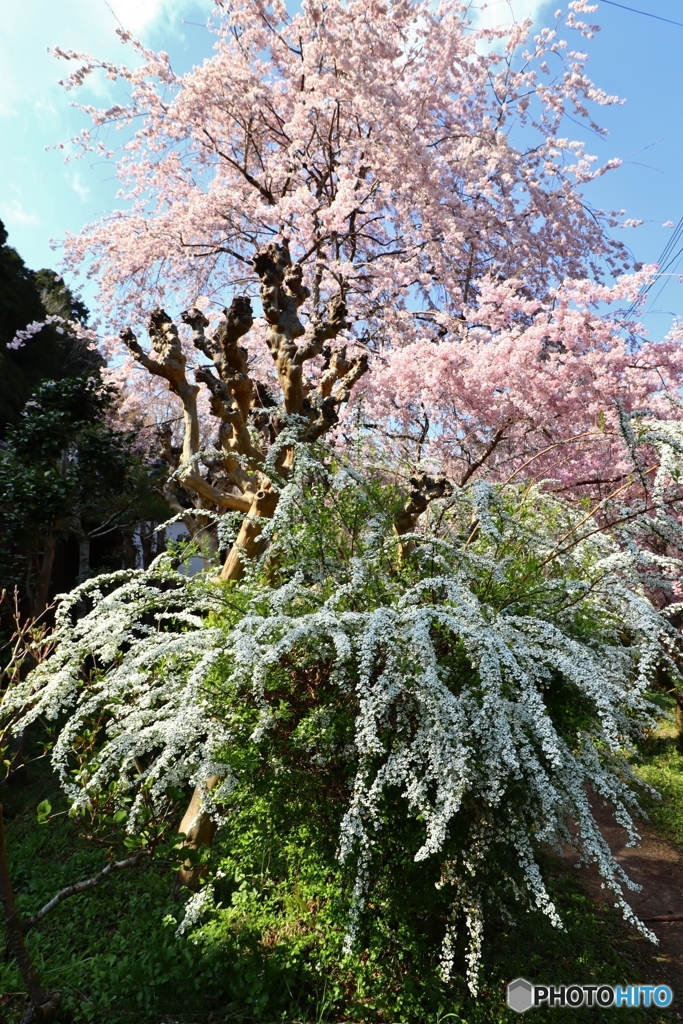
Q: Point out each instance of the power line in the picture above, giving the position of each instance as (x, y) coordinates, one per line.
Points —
(647, 14)
(667, 258)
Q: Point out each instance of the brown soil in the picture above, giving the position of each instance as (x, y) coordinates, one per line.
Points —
(657, 866)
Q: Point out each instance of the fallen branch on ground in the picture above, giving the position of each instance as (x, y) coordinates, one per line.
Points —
(79, 887)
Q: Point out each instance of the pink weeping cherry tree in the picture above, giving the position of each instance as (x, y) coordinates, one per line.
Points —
(396, 192)
(414, 176)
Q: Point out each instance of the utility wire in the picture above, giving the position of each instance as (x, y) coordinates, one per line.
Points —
(669, 257)
(647, 14)
(666, 260)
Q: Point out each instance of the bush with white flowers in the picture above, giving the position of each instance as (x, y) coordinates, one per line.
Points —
(481, 681)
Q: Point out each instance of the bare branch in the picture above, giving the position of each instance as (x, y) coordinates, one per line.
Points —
(79, 887)
(169, 364)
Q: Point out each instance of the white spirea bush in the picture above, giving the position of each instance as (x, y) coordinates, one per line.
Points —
(497, 666)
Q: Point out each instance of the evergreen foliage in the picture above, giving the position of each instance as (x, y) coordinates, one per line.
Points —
(64, 471)
(27, 297)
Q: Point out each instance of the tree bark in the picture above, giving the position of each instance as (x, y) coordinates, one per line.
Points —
(83, 556)
(79, 887)
(249, 543)
(199, 829)
(45, 565)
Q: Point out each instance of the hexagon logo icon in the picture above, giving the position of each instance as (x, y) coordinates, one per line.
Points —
(520, 995)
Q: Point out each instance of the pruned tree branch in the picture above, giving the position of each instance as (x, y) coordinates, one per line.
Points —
(248, 418)
(423, 490)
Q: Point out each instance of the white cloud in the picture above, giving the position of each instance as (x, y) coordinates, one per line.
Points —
(138, 15)
(45, 109)
(14, 213)
(80, 188)
(28, 74)
(490, 13)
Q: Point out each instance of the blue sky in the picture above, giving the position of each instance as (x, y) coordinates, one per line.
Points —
(41, 198)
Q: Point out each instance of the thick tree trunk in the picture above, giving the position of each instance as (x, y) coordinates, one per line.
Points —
(197, 824)
(249, 541)
(199, 828)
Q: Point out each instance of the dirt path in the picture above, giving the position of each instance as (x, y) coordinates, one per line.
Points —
(657, 866)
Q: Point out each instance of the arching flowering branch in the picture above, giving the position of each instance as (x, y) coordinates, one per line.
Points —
(487, 685)
(61, 325)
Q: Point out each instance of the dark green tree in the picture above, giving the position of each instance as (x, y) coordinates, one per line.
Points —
(26, 297)
(66, 474)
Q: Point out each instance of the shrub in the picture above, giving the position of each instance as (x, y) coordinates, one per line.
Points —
(400, 724)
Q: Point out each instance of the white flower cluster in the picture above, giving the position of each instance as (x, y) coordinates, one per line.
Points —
(196, 907)
(60, 324)
(133, 649)
(496, 717)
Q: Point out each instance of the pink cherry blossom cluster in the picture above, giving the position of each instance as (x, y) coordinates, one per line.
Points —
(530, 387)
(421, 168)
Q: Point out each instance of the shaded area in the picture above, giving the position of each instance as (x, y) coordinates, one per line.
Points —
(657, 866)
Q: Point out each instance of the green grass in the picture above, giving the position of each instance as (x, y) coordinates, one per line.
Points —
(662, 768)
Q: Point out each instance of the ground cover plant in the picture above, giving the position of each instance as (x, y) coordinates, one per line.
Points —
(660, 763)
(115, 957)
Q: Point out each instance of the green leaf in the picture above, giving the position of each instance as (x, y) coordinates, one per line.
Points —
(44, 810)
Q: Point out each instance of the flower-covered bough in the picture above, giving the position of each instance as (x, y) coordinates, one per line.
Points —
(424, 171)
(492, 670)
